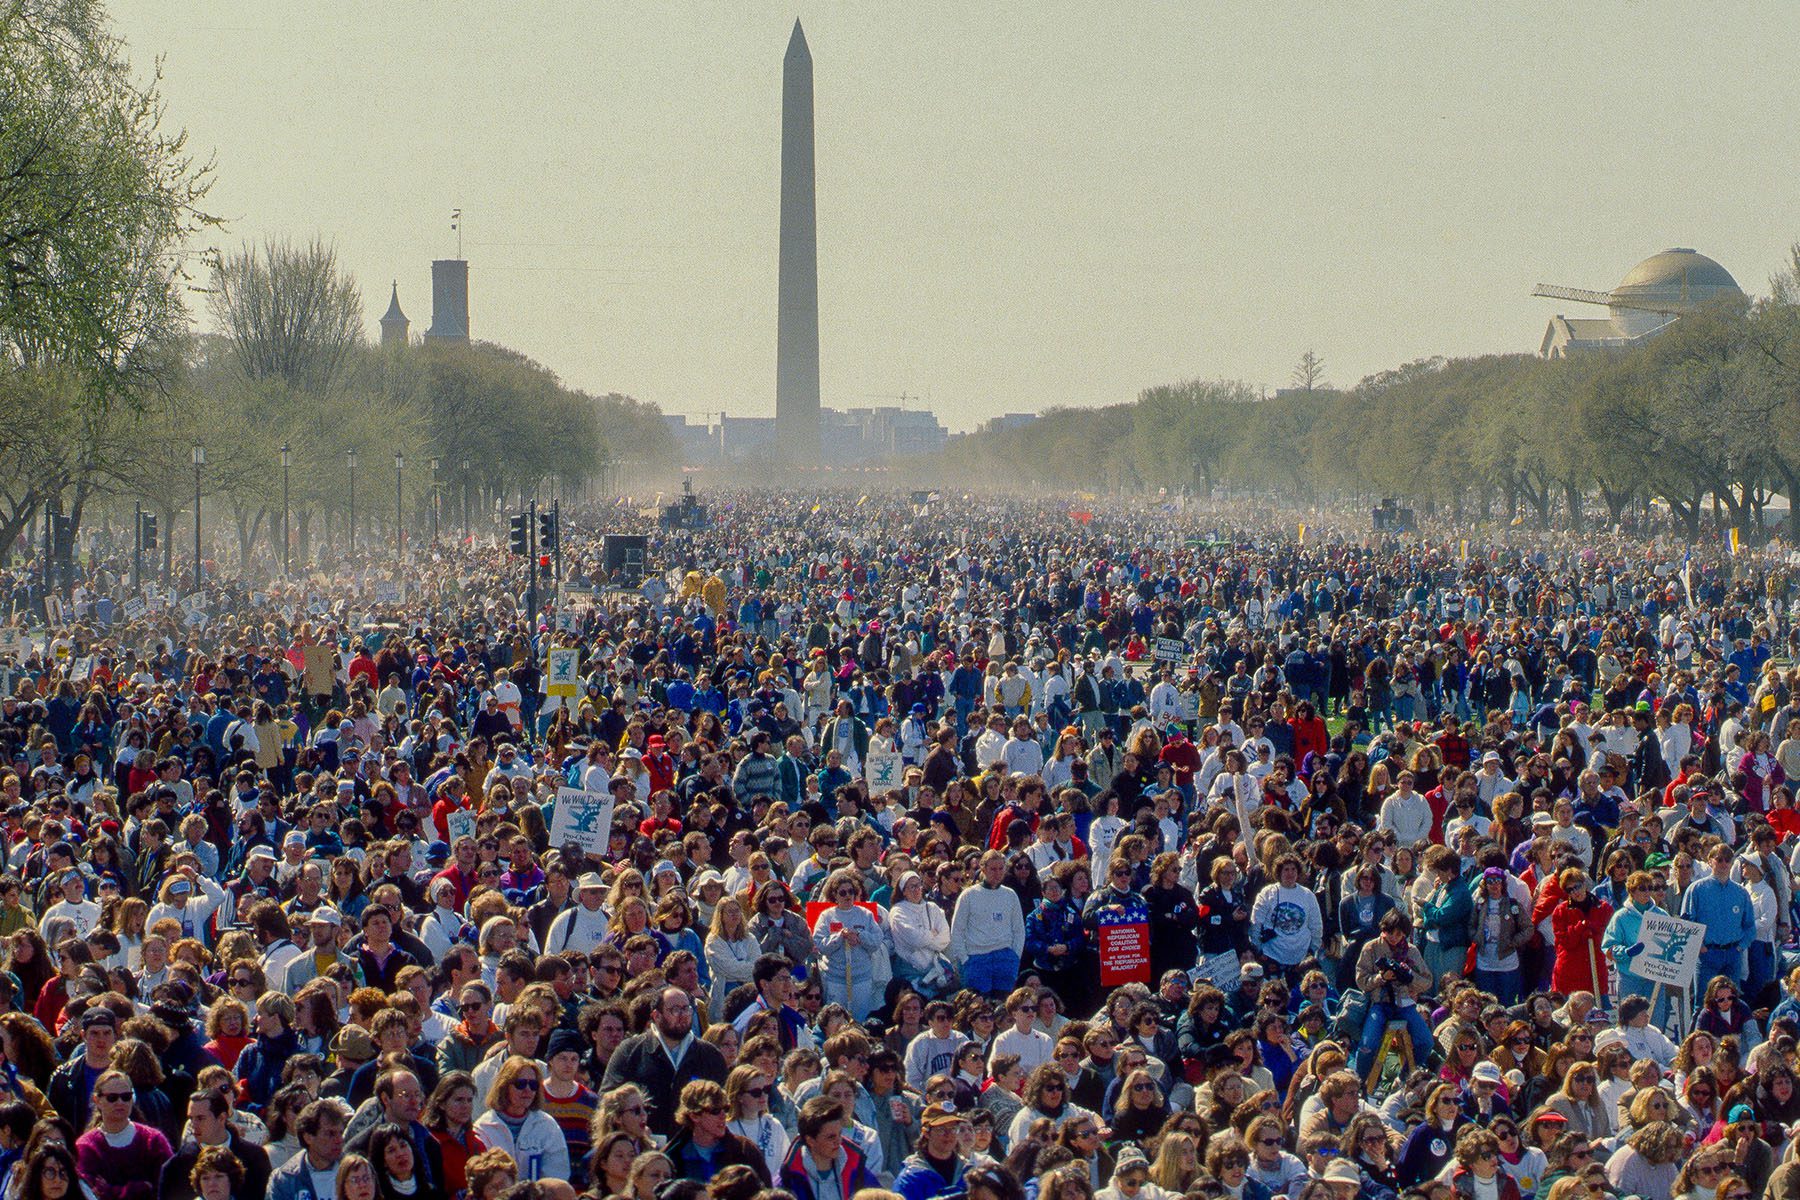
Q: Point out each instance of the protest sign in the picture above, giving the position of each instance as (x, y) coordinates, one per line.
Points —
(564, 676)
(1671, 952)
(584, 818)
(460, 823)
(882, 771)
(1123, 941)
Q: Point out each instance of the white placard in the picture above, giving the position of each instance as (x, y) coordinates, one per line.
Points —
(460, 823)
(1671, 952)
(564, 675)
(584, 818)
(882, 772)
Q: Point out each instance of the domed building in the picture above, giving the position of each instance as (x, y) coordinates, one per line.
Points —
(1652, 296)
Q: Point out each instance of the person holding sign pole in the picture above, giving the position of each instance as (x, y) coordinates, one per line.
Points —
(1624, 941)
(848, 939)
(1725, 909)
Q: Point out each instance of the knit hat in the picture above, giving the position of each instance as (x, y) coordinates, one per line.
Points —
(565, 1039)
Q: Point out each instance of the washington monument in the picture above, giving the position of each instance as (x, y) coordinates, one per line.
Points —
(797, 314)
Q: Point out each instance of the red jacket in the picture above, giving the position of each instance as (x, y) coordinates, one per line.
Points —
(1310, 737)
(1580, 965)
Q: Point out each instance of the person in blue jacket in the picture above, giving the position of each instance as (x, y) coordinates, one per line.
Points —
(936, 1169)
(1723, 906)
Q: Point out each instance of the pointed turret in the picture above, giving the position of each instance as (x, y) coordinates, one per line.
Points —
(394, 324)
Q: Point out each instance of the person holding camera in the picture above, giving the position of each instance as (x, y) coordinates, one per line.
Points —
(1392, 974)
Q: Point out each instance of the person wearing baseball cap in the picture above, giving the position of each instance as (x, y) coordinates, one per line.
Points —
(937, 1167)
(581, 926)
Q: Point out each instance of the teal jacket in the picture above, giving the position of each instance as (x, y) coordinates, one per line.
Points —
(1447, 911)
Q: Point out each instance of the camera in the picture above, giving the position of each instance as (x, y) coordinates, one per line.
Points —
(1402, 973)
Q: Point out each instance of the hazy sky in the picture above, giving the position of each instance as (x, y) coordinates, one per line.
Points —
(1020, 204)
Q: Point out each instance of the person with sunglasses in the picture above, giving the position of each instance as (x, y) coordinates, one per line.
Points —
(704, 1144)
(119, 1158)
(515, 1121)
(1478, 1175)
(1700, 1177)
(848, 938)
(748, 1092)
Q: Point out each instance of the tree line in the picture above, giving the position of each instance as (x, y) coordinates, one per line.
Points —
(1698, 425)
(108, 383)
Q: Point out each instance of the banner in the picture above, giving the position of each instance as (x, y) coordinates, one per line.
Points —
(1124, 954)
(584, 818)
(815, 907)
(882, 772)
(1671, 950)
(1124, 942)
(564, 675)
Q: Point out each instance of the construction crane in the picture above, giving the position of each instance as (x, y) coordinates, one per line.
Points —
(1610, 299)
(904, 398)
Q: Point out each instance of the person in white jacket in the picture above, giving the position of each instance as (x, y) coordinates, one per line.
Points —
(188, 898)
(1285, 922)
(731, 951)
(515, 1121)
(987, 931)
(1406, 814)
(443, 926)
(848, 938)
(920, 933)
(581, 926)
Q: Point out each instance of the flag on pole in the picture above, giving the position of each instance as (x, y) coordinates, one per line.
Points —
(862, 500)
(1463, 552)
(1303, 533)
(1734, 540)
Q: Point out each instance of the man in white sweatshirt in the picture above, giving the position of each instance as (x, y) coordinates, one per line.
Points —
(1285, 922)
(582, 926)
(987, 932)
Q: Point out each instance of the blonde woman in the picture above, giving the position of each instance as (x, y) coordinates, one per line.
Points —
(731, 951)
(189, 898)
(515, 1121)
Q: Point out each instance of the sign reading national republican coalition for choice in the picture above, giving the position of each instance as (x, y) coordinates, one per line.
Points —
(1670, 953)
(1123, 929)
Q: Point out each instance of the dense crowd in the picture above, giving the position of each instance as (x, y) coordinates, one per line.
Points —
(972, 848)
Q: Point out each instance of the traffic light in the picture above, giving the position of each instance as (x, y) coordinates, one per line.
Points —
(547, 532)
(147, 530)
(521, 534)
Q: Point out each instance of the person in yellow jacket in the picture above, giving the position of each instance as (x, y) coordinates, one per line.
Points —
(715, 595)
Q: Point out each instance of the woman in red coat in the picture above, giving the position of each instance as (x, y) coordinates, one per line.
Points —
(1578, 923)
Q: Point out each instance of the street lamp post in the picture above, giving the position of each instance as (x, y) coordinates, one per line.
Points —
(399, 505)
(351, 454)
(436, 462)
(287, 561)
(465, 491)
(199, 461)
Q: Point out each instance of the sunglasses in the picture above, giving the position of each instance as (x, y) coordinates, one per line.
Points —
(1268, 1141)
(525, 1085)
(117, 1097)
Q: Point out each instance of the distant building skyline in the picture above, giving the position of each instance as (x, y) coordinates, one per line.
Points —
(1016, 209)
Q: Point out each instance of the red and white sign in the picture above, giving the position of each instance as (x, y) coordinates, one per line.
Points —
(1124, 954)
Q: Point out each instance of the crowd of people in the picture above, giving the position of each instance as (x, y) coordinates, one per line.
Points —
(967, 848)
